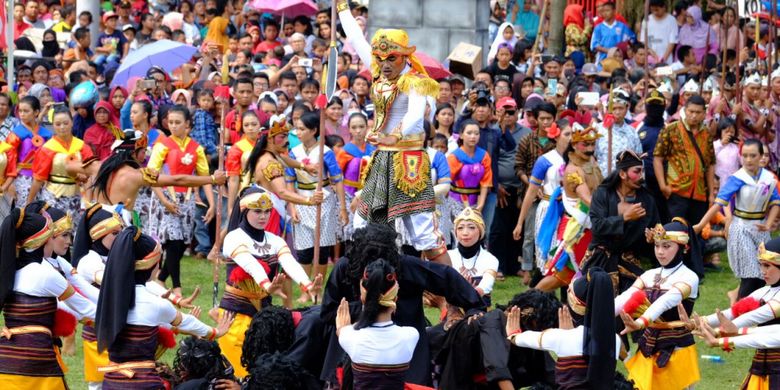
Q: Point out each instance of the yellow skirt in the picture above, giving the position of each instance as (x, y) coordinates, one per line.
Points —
(756, 382)
(21, 382)
(93, 360)
(681, 371)
(232, 342)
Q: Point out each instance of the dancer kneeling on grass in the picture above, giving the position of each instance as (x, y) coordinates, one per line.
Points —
(586, 353)
(473, 261)
(253, 259)
(29, 294)
(666, 357)
(379, 349)
(128, 315)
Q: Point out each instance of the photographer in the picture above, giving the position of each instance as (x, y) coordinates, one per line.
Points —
(199, 364)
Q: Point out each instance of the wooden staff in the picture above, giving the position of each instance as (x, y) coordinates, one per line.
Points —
(220, 195)
(771, 59)
(704, 61)
(539, 29)
(724, 43)
(647, 49)
(323, 133)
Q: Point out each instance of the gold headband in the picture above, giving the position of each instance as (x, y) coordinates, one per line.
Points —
(62, 225)
(576, 304)
(38, 239)
(150, 260)
(256, 201)
(768, 256)
(584, 135)
(106, 226)
(278, 125)
(391, 42)
(388, 298)
(659, 234)
(470, 215)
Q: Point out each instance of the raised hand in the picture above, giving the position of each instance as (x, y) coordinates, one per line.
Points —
(513, 321)
(343, 318)
(223, 325)
(564, 318)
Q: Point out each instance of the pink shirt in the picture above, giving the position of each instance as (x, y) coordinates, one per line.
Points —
(726, 159)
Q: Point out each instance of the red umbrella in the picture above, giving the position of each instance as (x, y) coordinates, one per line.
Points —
(435, 69)
(288, 8)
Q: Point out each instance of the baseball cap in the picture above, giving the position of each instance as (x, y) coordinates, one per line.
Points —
(109, 15)
(590, 69)
(128, 27)
(505, 102)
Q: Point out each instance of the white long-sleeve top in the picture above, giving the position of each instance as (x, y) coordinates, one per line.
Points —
(81, 285)
(382, 343)
(409, 115)
(245, 251)
(677, 283)
(91, 267)
(484, 266)
(564, 342)
(42, 280)
(764, 313)
(762, 337)
(151, 310)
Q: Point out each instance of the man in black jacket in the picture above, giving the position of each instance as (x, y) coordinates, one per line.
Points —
(620, 211)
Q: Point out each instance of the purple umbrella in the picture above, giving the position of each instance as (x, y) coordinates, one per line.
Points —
(286, 8)
(166, 54)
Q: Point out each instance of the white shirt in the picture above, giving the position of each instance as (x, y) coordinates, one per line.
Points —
(564, 342)
(151, 310)
(81, 285)
(245, 251)
(678, 283)
(383, 343)
(91, 267)
(484, 265)
(661, 33)
(764, 313)
(42, 280)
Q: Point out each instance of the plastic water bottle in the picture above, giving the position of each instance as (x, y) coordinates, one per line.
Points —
(713, 358)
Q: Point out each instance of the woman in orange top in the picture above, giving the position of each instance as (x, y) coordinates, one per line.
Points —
(50, 177)
(470, 170)
(235, 163)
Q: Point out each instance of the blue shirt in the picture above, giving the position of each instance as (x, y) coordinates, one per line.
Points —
(204, 131)
(609, 36)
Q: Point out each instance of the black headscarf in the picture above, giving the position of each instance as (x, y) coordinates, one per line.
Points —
(679, 225)
(598, 344)
(10, 236)
(82, 241)
(50, 48)
(24, 43)
(117, 294)
(238, 217)
(773, 245)
(471, 251)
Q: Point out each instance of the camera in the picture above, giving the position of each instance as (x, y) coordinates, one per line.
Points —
(483, 95)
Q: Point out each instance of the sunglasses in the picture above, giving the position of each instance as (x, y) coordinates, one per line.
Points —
(510, 112)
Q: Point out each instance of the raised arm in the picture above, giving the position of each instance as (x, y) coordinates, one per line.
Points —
(354, 34)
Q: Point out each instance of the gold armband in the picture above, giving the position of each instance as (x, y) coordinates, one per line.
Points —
(149, 175)
(342, 6)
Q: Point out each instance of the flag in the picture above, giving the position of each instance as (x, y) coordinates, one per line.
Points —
(3, 26)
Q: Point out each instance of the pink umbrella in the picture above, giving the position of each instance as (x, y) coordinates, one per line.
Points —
(287, 8)
(435, 69)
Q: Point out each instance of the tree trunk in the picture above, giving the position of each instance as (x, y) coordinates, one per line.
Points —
(556, 39)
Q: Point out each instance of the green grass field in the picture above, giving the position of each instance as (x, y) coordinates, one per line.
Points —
(712, 294)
